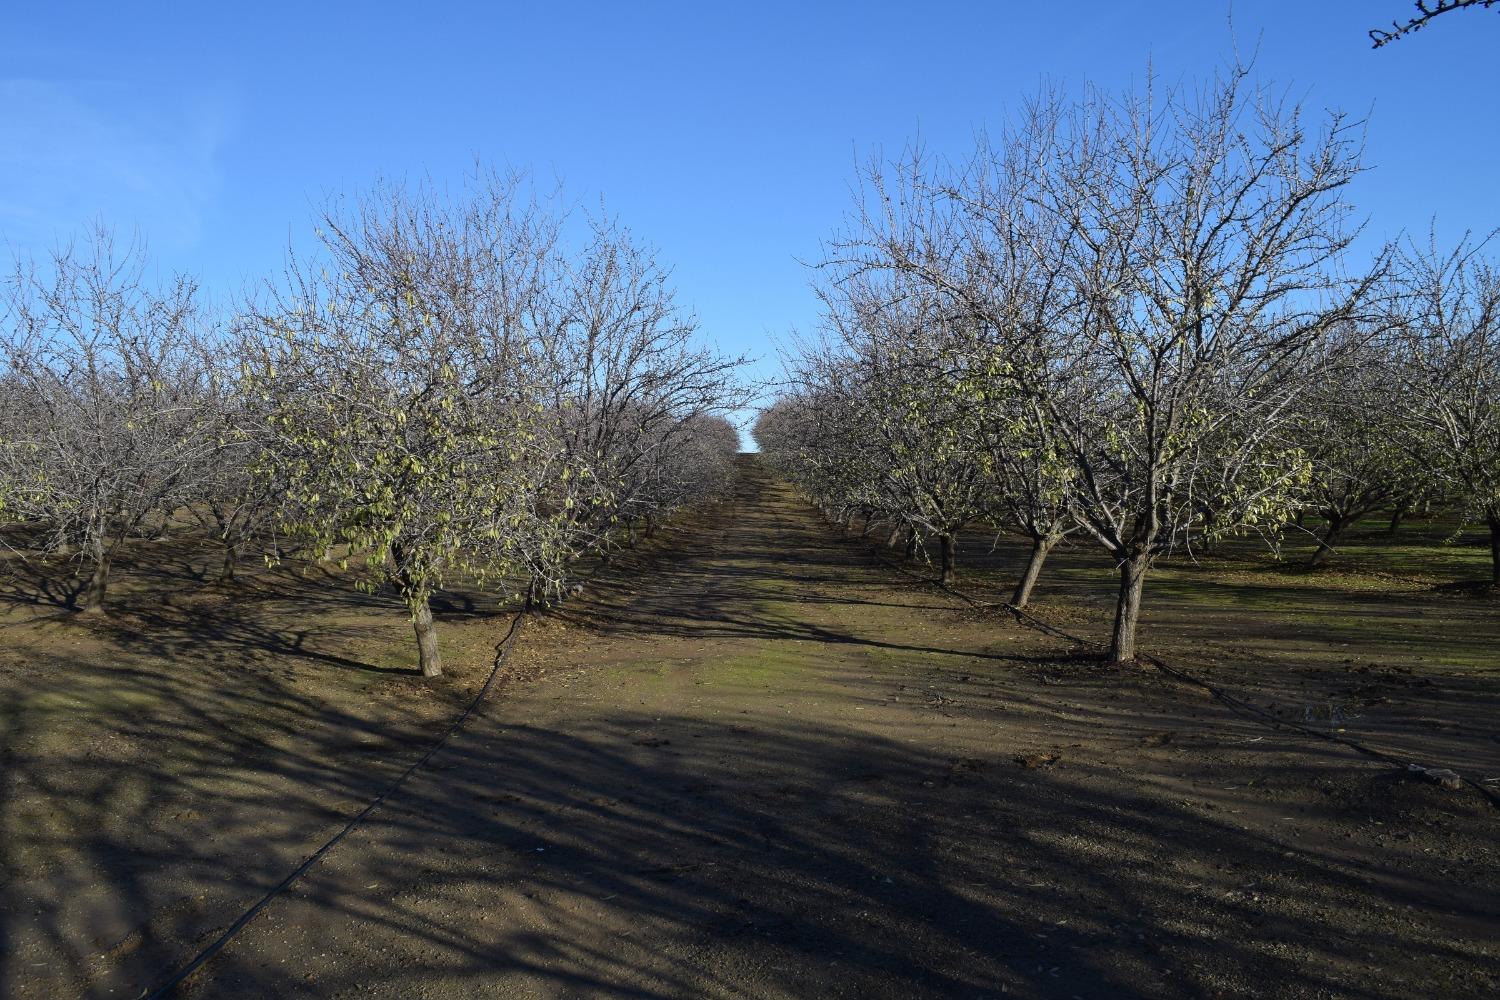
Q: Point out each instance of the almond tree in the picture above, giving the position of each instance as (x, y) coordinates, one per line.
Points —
(238, 498)
(107, 430)
(1449, 342)
(454, 390)
(1034, 488)
(1181, 270)
(1353, 437)
(623, 378)
(397, 377)
(978, 237)
(903, 357)
(1208, 232)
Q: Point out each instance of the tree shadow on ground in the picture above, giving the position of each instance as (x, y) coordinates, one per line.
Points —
(828, 863)
(833, 864)
(1405, 670)
(1125, 846)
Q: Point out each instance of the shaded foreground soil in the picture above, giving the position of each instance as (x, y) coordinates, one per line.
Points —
(768, 766)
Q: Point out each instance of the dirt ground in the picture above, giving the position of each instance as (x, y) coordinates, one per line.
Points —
(764, 764)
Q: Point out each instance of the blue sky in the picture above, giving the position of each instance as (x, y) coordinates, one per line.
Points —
(726, 134)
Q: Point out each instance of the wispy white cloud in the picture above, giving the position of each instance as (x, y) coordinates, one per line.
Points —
(72, 152)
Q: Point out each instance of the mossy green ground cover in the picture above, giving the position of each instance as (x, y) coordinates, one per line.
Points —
(1409, 601)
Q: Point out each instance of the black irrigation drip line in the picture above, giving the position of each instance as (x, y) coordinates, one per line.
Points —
(174, 979)
(1234, 703)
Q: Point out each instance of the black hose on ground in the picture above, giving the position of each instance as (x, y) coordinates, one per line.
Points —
(175, 978)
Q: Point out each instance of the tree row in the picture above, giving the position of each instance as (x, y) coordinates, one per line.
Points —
(450, 387)
(1143, 321)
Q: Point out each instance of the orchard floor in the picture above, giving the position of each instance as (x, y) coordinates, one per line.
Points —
(763, 763)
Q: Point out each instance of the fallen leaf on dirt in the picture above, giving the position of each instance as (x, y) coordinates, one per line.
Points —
(1441, 776)
(1037, 760)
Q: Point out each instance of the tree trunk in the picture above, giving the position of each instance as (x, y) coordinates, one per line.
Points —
(93, 591)
(1325, 544)
(1397, 516)
(911, 543)
(894, 538)
(650, 527)
(231, 559)
(427, 641)
(1494, 519)
(1040, 547)
(946, 558)
(1128, 608)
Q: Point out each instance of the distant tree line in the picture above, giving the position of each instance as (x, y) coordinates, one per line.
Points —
(452, 387)
(1138, 321)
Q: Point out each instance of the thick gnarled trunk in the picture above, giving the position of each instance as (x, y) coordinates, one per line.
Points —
(100, 555)
(231, 561)
(1331, 534)
(1041, 546)
(1128, 607)
(1398, 514)
(92, 600)
(947, 559)
(428, 659)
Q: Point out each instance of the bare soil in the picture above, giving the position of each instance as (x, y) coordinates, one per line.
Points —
(759, 762)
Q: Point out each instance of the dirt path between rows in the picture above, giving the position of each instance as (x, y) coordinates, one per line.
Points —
(769, 767)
